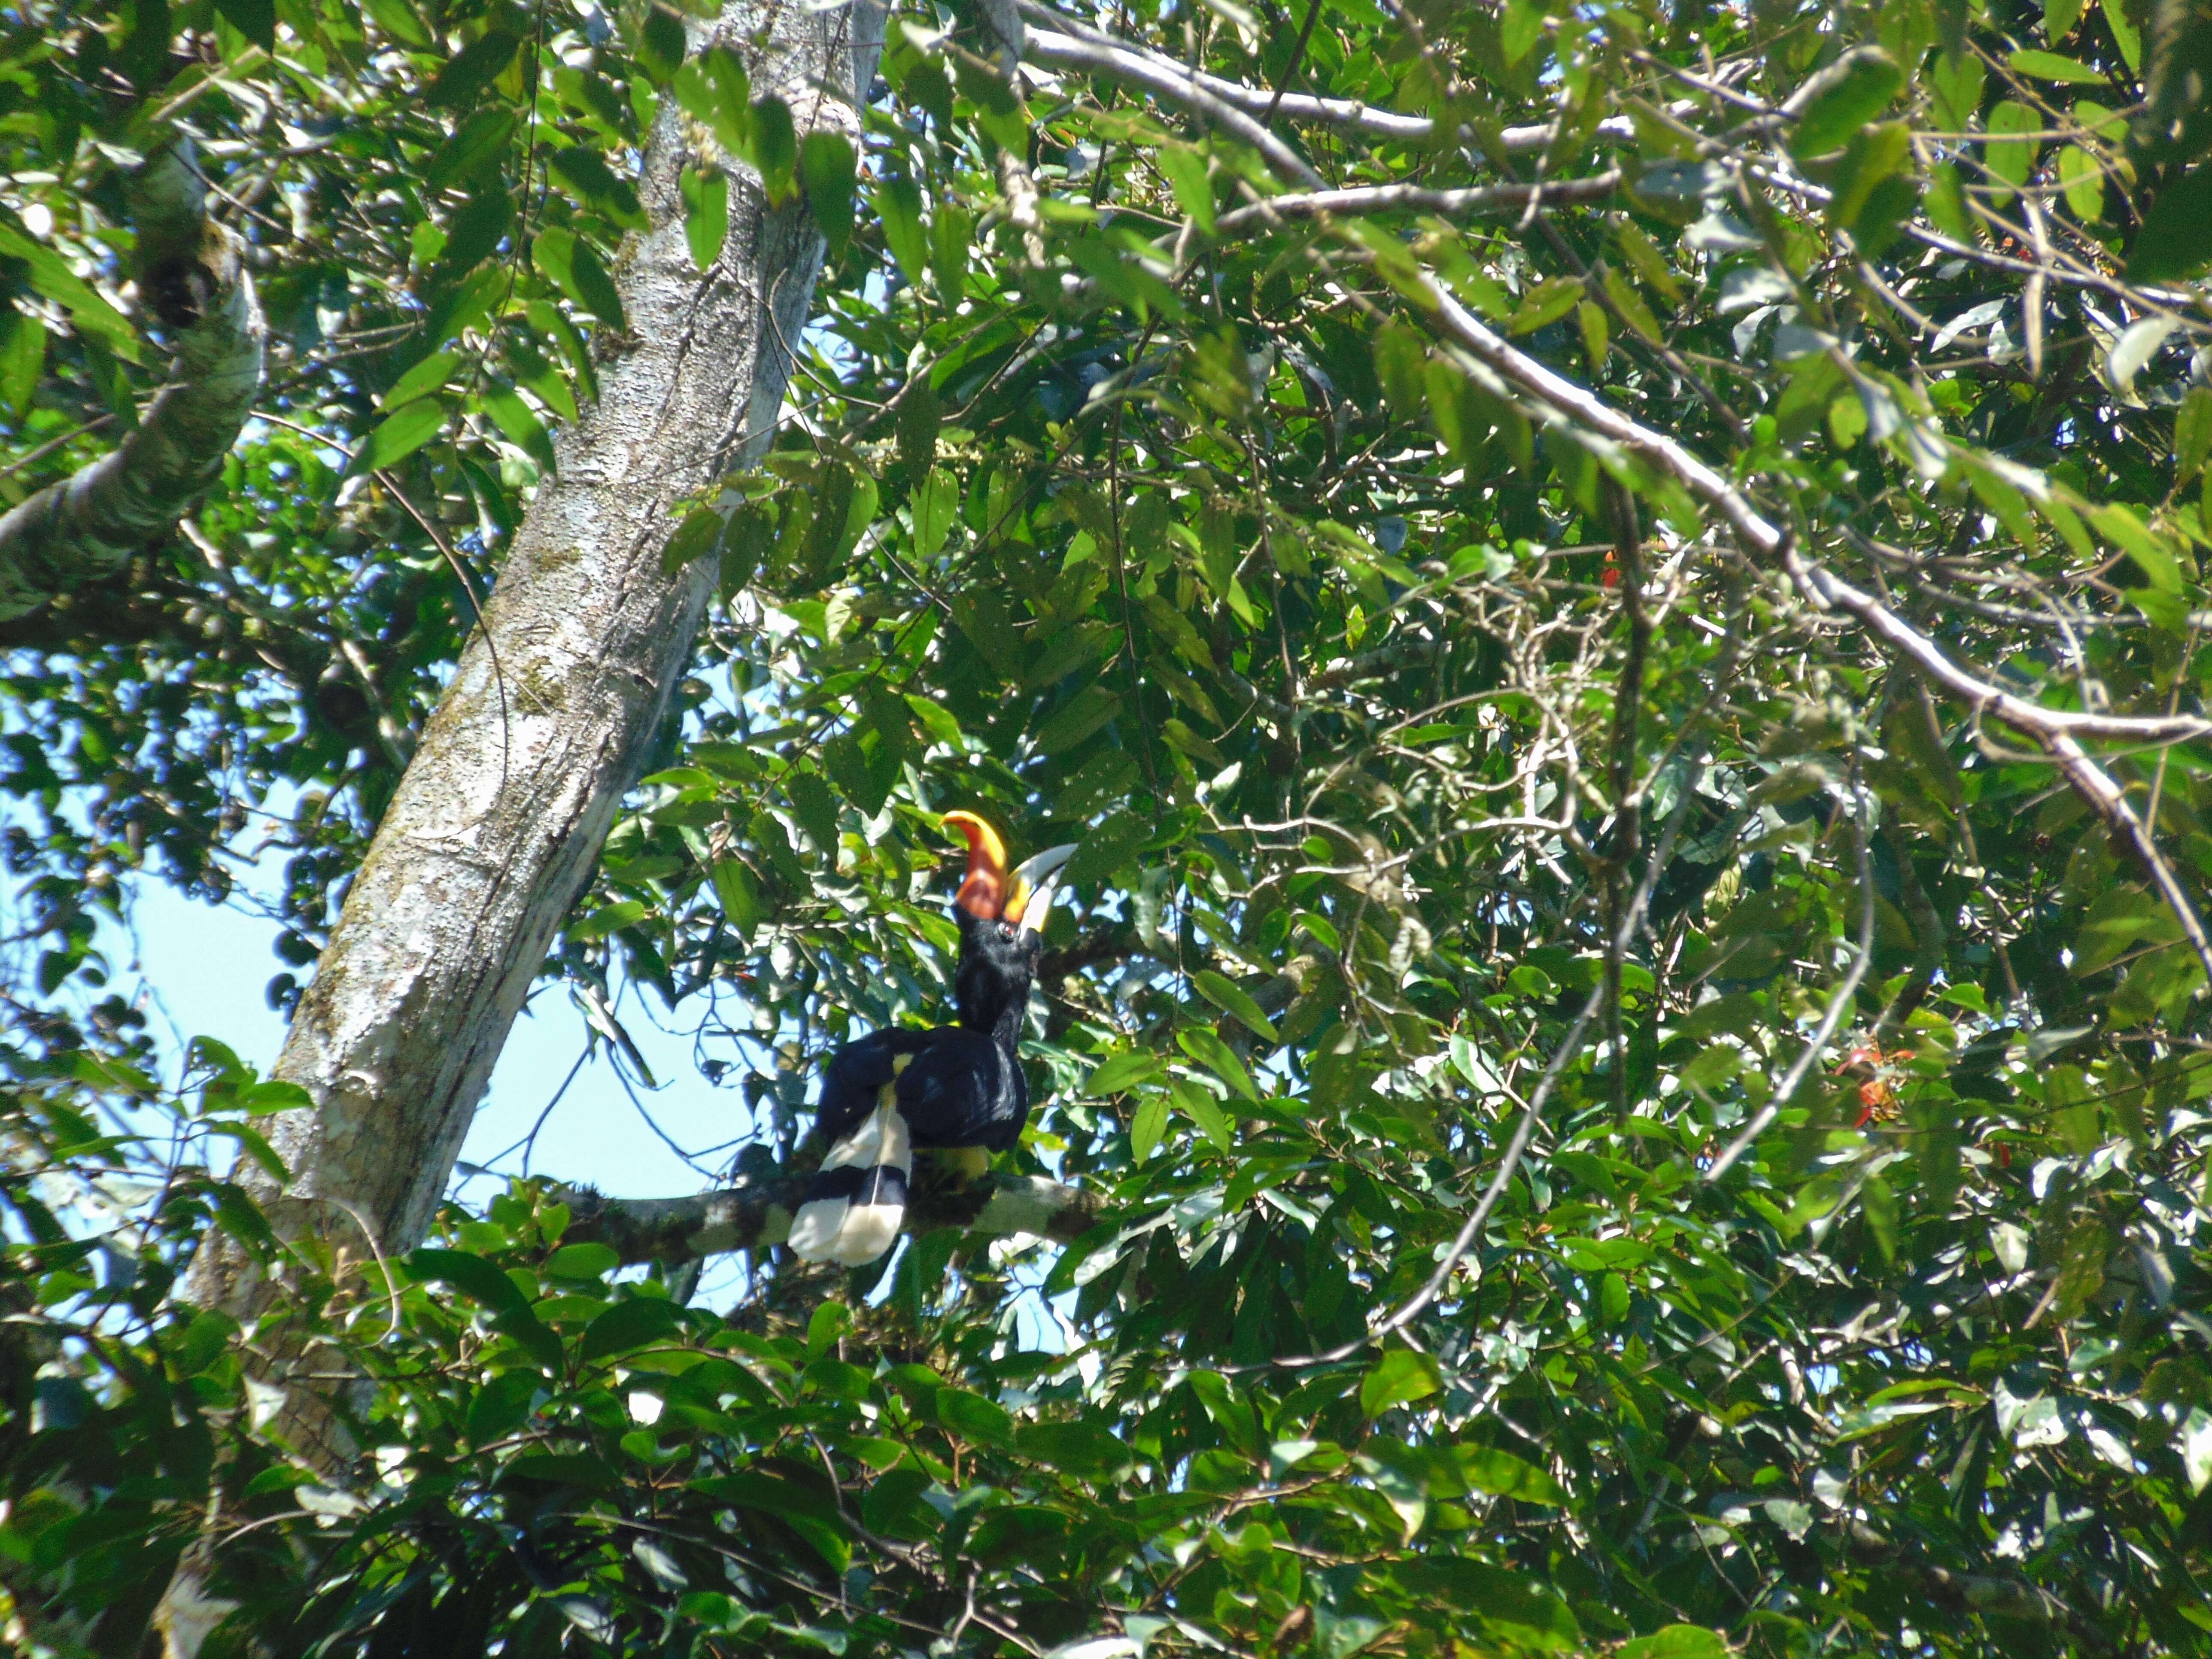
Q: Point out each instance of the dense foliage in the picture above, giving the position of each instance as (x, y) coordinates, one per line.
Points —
(1481, 833)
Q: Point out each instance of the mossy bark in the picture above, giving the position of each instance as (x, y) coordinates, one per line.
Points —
(93, 522)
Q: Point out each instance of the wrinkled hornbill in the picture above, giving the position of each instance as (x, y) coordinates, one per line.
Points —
(956, 1086)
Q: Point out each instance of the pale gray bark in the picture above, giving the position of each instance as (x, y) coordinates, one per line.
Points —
(92, 523)
(516, 780)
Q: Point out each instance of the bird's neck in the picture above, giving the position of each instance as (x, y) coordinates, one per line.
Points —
(997, 1003)
(1006, 1028)
(992, 986)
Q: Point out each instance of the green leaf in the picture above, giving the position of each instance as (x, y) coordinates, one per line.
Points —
(474, 145)
(52, 279)
(273, 1095)
(2050, 66)
(582, 1261)
(2119, 922)
(1501, 1473)
(2083, 177)
(1525, 1613)
(399, 435)
(1076, 719)
(898, 205)
(825, 172)
(1631, 306)
(502, 1406)
(1077, 1447)
(23, 362)
(1147, 1128)
(517, 422)
(397, 18)
(2175, 242)
(1106, 849)
(934, 506)
(2125, 35)
(714, 91)
(739, 896)
(1204, 1044)
(1205, 1111)
(1956, 83)
(700, 534)
(2193, 433)
(1864, 87)
(1947, 202)
(1231, 998)
(570, 264)
(474, 1276)
(974, 1418)
(828, 1322)
(2196, 1448)
(814, 1518)
(1124, 1071)
(775, 148)
(1874, 155)
(1400, 1377)
(705, 195)
(474, 68)
(580, 1469)
(639, 1322)
(935, 718)
(661, 45)
(951, 226)
(595, 184)
(2009, 157)
(1546, 303)
(251, 1142)
(426, 376)
(2125, 530)
(1677, 1642)
(1186, 169)
(607, 919)
(254, 19)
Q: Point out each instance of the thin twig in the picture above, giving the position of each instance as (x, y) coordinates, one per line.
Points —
(1862, 807)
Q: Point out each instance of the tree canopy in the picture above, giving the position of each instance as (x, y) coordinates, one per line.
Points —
(1614, 597)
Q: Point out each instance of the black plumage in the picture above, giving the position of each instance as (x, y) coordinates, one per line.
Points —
(951, 1087)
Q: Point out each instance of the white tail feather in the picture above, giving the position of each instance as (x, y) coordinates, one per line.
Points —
(835, 1229)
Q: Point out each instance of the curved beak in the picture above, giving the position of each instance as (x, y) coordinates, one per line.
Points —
(1030, 894)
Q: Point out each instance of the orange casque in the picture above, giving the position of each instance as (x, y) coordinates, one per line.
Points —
(986, 892)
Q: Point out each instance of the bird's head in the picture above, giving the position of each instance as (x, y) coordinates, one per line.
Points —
(1017, 901)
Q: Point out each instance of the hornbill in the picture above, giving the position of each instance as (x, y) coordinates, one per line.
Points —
(956, 1086)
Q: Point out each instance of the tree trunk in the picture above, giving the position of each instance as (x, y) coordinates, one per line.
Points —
(501, 816)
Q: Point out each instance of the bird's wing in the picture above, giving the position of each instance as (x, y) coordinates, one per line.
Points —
(853, 1082)
(962, 1090)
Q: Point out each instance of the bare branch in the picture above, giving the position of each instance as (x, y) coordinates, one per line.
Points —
(1172, 83)
(1839, 1005)
(1414, 199)
(2030, 718)
(89, 524)
(1345, 114)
